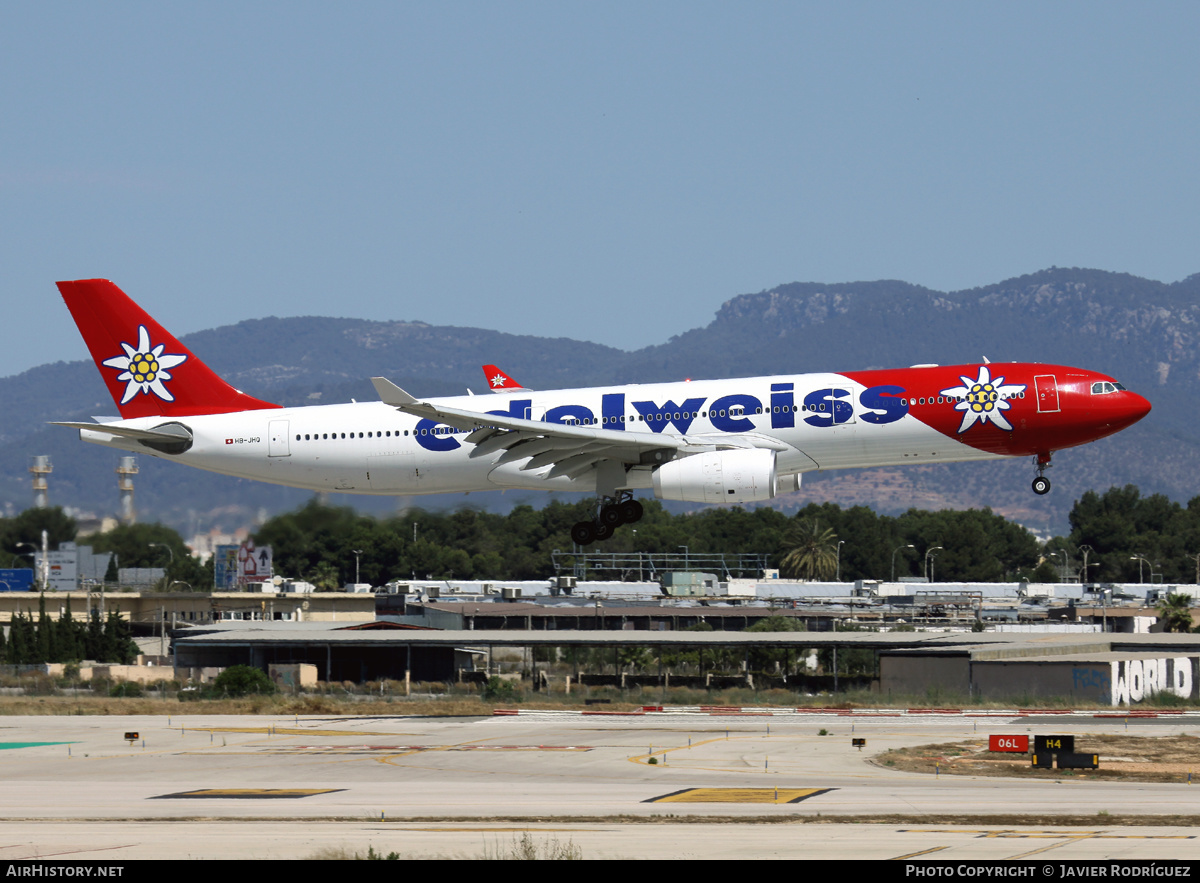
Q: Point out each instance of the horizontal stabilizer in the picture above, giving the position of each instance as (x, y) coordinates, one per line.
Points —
(128, 431)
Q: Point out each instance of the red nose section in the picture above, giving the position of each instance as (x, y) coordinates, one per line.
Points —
(1131, 408)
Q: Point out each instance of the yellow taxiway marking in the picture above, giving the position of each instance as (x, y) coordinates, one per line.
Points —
(922, 852)
(739, 795)
(252, 793)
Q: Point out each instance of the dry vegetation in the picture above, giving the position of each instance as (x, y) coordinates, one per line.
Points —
(1122, 758)
(42, 695)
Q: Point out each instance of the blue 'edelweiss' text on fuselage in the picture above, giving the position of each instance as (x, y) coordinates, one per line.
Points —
(729, 413)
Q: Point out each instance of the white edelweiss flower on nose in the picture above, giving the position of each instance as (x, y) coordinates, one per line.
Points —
(983, 399)
(144, 369)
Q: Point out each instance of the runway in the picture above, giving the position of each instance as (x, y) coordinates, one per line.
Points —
(257, 787)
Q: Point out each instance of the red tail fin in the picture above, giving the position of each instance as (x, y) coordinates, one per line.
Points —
(499, 381)
(148, 372)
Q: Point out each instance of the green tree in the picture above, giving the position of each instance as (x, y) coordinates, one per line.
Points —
(147, 545)
(774, 658)
(242, 680)
(850, 660)
(67, 638)
(22, 642)
(45, 634)
(27, 527)
(1175, 612)
(812, 551)
(117, 642)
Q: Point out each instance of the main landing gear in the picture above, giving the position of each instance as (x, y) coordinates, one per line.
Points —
(1041, 484)
(612, 514)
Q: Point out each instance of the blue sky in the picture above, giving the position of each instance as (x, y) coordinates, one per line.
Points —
(605, 171)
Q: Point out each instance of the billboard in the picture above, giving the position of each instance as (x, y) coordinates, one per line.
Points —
(234, 566)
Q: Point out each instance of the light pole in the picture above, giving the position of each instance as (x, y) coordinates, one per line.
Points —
(1086, 550)
(1139, 559)
(839, 560)
(356, 552)
(929, 562)
(1062, 574)
(170, 551)
(33, 554)
(897, 549)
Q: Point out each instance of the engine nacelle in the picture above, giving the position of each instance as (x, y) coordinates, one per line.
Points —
(739, 476)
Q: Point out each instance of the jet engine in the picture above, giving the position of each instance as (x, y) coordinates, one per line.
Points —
(738, 476)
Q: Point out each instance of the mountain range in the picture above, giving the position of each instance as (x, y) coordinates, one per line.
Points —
(1143, 333)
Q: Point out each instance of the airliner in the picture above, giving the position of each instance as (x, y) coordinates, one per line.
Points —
(741, 440)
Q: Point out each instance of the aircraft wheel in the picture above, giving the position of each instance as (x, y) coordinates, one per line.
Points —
(583, 533)
(631, 511)
(603, 531)
(611, 516)
(1041, 485)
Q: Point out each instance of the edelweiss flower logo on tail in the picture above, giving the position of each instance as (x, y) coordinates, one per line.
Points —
(144, 369)
(983, 399)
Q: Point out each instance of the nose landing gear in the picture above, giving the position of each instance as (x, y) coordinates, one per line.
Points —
(1041, 484)
(614, 512)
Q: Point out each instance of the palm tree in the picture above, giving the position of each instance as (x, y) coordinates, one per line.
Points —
(1175, 613)
(325, 576)
(813, 552)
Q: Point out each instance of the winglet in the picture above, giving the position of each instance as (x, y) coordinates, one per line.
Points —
(390, 394)
(499, 381)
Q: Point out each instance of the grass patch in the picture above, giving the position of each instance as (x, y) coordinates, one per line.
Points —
(524, 848)
(40, 696)
(1122, 758)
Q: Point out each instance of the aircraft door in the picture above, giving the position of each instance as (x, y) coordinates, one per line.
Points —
(1047, 393)
(829, 407)
(277, 439)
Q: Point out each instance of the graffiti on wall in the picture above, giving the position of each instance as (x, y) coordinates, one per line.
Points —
(1133, 680)
(1092, 680)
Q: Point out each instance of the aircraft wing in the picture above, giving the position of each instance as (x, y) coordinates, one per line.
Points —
(570, 449)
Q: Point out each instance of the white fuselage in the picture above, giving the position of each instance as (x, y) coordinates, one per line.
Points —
(812, 421)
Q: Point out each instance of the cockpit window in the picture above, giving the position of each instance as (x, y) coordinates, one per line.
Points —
(1104, 387)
